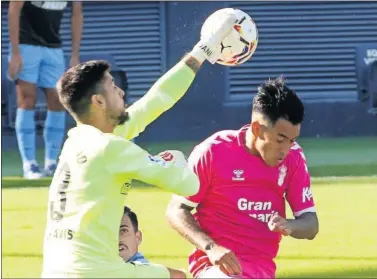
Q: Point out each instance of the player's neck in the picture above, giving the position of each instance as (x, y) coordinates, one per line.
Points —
(249, 143)
(98, 123)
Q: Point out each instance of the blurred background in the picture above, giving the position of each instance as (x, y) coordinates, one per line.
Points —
(327, 50)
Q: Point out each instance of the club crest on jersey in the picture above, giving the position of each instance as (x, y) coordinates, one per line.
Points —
(238, 175)
(282, 174)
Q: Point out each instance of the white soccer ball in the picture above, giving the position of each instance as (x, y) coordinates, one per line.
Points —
(241, 42)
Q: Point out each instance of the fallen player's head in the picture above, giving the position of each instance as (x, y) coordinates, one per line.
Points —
(276, 120)
(88, 92)
(129, 235)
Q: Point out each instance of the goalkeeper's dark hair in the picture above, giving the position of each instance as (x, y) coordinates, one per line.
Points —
(133, 217)
(78, 84)
(275, 100)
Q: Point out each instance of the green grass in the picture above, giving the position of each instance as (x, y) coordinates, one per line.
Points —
(345, 247)
(326, 157)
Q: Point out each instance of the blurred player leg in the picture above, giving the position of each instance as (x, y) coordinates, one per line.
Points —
(51, 69)
(26, 100)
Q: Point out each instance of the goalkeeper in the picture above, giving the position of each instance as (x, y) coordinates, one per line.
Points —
(98, 161)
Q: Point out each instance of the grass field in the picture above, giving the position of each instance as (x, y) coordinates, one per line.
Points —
(346, 246)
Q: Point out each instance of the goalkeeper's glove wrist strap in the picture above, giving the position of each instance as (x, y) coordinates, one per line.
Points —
(198, 53)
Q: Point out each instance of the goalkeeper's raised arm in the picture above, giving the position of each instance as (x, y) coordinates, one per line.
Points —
(174, 84)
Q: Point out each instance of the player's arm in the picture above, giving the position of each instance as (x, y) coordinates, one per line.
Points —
(127, 160)
(174, 84)
(300, 198)
(76, 26)
(161, 97)
(14, 12)
(304, 226)
(179, 216)
(179, 210)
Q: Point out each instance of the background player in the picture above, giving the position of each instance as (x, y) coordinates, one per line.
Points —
(130, 237)
(36, 59)
(245, 177)
(98, 162)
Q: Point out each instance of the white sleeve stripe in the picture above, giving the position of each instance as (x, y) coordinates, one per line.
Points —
(185, 201)
(310, 209)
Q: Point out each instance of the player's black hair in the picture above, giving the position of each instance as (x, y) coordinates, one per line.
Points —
(78, 84)
(275, 100)
(133, 217)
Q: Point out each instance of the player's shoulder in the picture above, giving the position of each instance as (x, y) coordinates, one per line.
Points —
(116, 143)
(296, 154)
(216, 142)
(222, 137)
(94, 139)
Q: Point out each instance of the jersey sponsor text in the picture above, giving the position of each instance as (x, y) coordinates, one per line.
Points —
(244, 204)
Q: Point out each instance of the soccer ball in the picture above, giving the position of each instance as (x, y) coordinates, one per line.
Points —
(241, 42)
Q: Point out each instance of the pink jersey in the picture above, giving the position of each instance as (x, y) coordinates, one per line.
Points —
(238, 195)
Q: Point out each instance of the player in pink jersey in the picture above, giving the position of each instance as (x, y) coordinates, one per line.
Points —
(245, 178)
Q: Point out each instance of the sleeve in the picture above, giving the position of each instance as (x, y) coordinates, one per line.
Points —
(200, 163)
(299, 193)
(126, 158)
(162, 96)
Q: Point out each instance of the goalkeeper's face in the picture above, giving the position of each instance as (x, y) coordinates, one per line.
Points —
(114, 106)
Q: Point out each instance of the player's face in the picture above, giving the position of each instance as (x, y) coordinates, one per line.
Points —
(129, 240)
(114, 96)
(274, 142)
